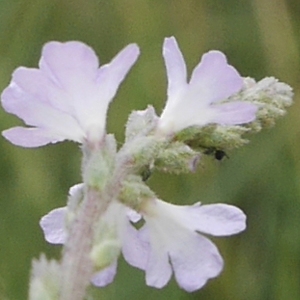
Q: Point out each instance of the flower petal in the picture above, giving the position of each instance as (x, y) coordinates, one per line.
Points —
(135, 250)
(195, 261)
(53, 225)
(158, 270)
(133, 216)
(106, 276)
(35, 112)
(30, 137)
(176, 68)
(69, 63)
(234, 113)
(111, 75)
(40, 87)
(217, 219)
(213, 79)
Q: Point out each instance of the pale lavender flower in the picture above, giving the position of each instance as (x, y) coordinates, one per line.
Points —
(177, 246)
(198, 102)
(67, 97)
(168, 242)
(117, 217)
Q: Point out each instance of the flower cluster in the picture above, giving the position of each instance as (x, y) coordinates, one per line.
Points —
(170, 240)
(67, 98)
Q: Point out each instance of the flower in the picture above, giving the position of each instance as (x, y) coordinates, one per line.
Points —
(67, 97)
(200, 102)
(115, 226)
(169, 241)
(177, 246)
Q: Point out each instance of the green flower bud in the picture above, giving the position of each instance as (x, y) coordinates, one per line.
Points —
(140, 153)
(105, 253)
(134, 191)
(177, 158)
(270, 96)
(214, 136)
(140, 123)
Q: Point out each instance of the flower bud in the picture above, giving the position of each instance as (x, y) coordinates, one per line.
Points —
(270, 96)
(177, 158)
(134, 191)
(141, 122)
(105, 253)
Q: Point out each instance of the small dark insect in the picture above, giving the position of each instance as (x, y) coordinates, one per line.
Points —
(218, 154)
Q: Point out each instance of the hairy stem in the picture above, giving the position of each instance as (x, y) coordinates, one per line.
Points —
(77, 267)
(76, 264)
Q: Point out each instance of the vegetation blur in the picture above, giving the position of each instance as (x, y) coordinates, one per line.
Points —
(260, 38)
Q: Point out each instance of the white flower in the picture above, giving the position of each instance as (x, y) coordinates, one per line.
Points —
(67, 97)
(176, 244)
(198, 102)
(169, 241)
(116, 227)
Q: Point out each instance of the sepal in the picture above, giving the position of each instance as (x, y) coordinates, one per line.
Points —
(98, 164)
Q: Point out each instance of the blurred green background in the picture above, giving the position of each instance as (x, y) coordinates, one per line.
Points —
(261, 38)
